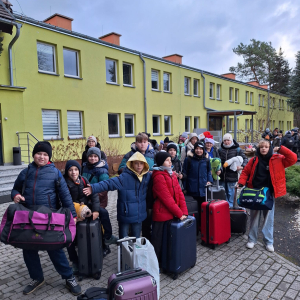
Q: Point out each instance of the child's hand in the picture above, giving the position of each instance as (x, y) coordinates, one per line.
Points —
(88, 190)
(180, 176)
(208, 183)
(95, 215)
(75, 220)
(19, 198)
(183, 217)
(184, 192)
(218, 172)
(238, 168)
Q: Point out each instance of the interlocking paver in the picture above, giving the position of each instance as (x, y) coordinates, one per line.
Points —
(228, 272)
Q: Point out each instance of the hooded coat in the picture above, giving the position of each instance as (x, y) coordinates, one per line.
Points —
(132, 191)
(84, 154)
(188, 147)
(96, 173)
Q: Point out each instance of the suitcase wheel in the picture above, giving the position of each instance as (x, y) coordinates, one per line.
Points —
(228, 241)
(80, 278)
(97, 276)
(175, 276)
(213, 246)
(203, 243)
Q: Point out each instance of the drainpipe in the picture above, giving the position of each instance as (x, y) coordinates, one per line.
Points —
(18, 27)
(145, 97)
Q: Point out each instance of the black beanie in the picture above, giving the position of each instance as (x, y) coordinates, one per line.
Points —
(199, 144)
(170, 146)
(72, 163)
(42, 147)
(166, 140)
(160, 157)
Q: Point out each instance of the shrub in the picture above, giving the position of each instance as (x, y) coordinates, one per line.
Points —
(293, 180)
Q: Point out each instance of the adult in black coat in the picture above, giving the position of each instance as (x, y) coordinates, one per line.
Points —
(288, 140)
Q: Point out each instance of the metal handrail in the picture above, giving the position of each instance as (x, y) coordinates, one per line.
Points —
(30, 143)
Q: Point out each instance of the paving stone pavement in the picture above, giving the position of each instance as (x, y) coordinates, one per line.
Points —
(229, 272)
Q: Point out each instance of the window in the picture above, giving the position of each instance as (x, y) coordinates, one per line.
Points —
(113, 125)
(259, 96)
(51, 124)
(282, 104)
(251, 98)
(186, 85)
(46, 58)
(211, 90)
(71, 65)
(236, 96)
(246, 124)
(156, 125)
(273, 124)
(231, 94)
(279, 104)
(154, 80)
(196, 87)
(166, 82)
(218, 91)
(196, 122)
(251, 124)
(231, 124)
(167, 124)
(129, 125)
(187, 124)
(247, 97)
(263, 100)
(273, 103)
(111, 71)
(74, 123)
(127, 74)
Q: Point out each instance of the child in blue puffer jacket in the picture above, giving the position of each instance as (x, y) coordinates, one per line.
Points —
(132, 187)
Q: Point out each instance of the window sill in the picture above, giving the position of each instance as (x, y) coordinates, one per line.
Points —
(156, 91)
(112, 83)
(212, 98)
(129, 135)
(54, 139)
(169, 134)
(231, 101)
(115, 137)
(196, 96)
(168, 92)
(189, 95)
(219, 99)
(157, 134)
(76, 138)
(74, 77)
(251, 104)
(246, 103)
(47, 73)
(236, 102)
(130, 86)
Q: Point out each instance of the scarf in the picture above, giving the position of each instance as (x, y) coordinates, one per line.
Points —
(228, 146)
(162, 168)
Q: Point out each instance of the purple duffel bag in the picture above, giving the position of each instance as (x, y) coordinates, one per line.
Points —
(37, 228)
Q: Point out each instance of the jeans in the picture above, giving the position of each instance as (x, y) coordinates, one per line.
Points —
(58, 258)
(229, 190)
(135, 229)
(268, 225)
(73, 256)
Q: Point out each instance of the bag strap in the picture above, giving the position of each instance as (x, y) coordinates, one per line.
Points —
(30, 215)
(24, 183)
(91, 178)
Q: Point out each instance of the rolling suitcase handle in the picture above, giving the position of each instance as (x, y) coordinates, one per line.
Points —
(211, 192)
(119, 243)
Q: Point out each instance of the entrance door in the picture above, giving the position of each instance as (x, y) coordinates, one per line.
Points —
(215, 123)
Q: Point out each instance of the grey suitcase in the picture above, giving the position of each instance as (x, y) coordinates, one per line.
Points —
(216, 191)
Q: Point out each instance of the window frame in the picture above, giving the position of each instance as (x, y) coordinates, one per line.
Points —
(81, 125)
(188, 85)
(263, 100)
(251, 98)
(77, 59)
(218, 91)
(211, 90)
(259, 99)
(236, 95)
(185, 128)
(153, 89)
(116, 70)
(197, 85)
(231, 94)
(247, 97)
(158, 125)
(198, 121)
(54, 58)
(231, 125)
(169, 80)
(131, 74)
(118, 119)
(127, 116)
(50, 137)
(170, 125)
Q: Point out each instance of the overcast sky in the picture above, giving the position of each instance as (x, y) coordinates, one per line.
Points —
(204, 32)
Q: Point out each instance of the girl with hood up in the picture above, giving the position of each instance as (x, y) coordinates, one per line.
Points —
(189, 145)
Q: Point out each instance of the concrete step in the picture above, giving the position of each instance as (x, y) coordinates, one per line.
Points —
(10, 176)
(6, 190)
(6, 170)
(7, 183)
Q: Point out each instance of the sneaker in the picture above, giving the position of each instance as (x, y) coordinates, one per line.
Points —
(250, 245)
(106, 250)
(113, 240)
(73, 286)
(270, 248)
(32, 286)
(75, 268)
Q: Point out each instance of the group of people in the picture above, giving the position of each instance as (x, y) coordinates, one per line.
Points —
(170, 169)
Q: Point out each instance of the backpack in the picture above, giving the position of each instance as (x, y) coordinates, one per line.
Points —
(149, 197)
(289, 143)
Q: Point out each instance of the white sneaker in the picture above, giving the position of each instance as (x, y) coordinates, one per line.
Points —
(270, 248)
(250, 245)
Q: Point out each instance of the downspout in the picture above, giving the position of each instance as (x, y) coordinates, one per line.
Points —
(145, 97)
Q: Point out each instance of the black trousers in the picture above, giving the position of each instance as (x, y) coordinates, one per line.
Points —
(157, 237)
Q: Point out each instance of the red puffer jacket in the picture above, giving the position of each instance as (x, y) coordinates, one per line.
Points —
(170, 201)
(277, 164)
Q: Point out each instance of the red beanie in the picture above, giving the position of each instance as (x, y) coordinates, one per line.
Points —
(208, 135)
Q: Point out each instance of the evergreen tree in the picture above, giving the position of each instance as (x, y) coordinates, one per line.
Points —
(294, 90)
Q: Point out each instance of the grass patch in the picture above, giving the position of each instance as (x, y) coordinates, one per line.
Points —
(292, 175)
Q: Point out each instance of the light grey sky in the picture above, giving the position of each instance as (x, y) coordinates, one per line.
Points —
(204, 32)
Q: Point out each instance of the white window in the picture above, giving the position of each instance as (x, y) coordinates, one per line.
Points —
(246, 124)
(156, 125)
(218, 91)
(51, 124)
(273, 102)
(196, 122)
(231, 124)
(246, 97)
(113, 125)
(71, 64)
(127, 74)
(111, 70)
(186, 85)
(196, 87)
(187, 123)
(46, 58)
(167, 120)
(251, 124)
(259, 96)
(74, 123)
(211, 90)
(236, 96)
(231, 94)
(166, 82)
(154, 80)
(263, 100)
(279, 103)
(251, 98)
(129, 125)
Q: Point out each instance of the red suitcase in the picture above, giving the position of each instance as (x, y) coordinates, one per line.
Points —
(215, 222)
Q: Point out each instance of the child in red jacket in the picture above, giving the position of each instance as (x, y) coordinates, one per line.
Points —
(169, 199)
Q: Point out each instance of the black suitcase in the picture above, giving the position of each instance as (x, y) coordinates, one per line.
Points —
(193, 209)
(238, 217)
(217, 190)
(90, 252)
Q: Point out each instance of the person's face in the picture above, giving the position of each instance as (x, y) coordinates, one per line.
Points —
(199, 151)
(142, 146)
(91, 143)
(208, 145)
(41, 158)
(194, 139)
(138, 166)
(264, 148)
(227, 142)
(168, 163)
(93, 158)
(73, 173)
(172, 152)
(280, 135)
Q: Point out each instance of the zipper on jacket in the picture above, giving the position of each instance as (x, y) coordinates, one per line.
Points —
(34, 185)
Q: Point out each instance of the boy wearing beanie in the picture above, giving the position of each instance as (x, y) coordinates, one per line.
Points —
(177, 166)
(169, 199)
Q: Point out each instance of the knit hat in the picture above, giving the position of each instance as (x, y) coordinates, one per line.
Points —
(160, 157)
(42, 147)
(294, 129)
(72, 163)
(227, 136)
(207, 134)
(192, 135)
(201, 137)
(171, 146)
(94, 150)
(184, 135)
(199, 144)
(166, 140)
(209, 140)
(91, 137)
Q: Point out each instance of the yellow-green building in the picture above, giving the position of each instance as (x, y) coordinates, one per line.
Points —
(64, 85)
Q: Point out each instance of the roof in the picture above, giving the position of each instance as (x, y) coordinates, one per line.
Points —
(231, 112)
(5, 14)
(58, 15)
(111, 33)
